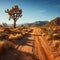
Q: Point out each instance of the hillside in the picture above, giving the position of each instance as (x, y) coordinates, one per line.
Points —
(54, 22)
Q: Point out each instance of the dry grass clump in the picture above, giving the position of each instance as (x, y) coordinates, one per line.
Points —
(44, 34)
(55, 44)
(3, 36)
(43, 30)
(7, 30)
(5, 46)
(48, 38)
(56, 36)
(24, 31)
(14, 37)
(55, 47)
(16, 30)
(53, 32)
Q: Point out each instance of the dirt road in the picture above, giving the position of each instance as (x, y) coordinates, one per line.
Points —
(30, 47)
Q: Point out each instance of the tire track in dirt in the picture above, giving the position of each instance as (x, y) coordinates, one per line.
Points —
(38, 50)
(46, 48)
(33, 49)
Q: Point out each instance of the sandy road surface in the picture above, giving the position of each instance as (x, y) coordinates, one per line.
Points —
(30, 47)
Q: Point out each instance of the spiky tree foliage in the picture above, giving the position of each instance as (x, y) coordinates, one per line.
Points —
(14, 13)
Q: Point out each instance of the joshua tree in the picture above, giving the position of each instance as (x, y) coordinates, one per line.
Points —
(14, 13)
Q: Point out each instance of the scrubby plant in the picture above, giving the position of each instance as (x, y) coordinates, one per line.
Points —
(48, 38)
(3, 36)
(7, 30)
(14, 37)
(55, 44)
(56, 36)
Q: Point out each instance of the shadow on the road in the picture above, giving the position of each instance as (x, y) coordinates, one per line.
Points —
(36, 34)
(24, 41)
(18, 55)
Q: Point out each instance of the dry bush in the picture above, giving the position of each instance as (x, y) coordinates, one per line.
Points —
(48, 38)
(56, 30)
(7, 30)
(16, 29)
(55, 44)
(3, 36)
(23, 32)
(12, 31)
(56, 36)
(5, 46)
(14, 37)
(44, 34)
(43, 30)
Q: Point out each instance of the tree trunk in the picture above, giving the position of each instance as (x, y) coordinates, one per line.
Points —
(14, 24)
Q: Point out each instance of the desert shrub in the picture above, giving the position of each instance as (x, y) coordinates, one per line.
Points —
(56, 36)
(48, 38)
(14, 37)
(7, 30)
(43, 29)
(16, 30)
(55, 44)
(11, 31)
(23, 32)
(44, 34)
(3, 36)
(56, 30)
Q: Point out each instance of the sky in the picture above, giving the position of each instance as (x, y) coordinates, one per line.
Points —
(32, 10)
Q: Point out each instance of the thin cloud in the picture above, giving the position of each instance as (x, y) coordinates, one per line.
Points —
(42, 11)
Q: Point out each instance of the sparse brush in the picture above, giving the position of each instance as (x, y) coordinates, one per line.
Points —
(14, 37)
(56, 36)
(48, 38)
(55, 44)
(3, 36)
(16, 31)
(7, 30)
(44, 34)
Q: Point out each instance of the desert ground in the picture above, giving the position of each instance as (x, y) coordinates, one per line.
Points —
(30, 43)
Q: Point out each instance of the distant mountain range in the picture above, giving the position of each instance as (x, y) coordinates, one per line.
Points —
(37, 23)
